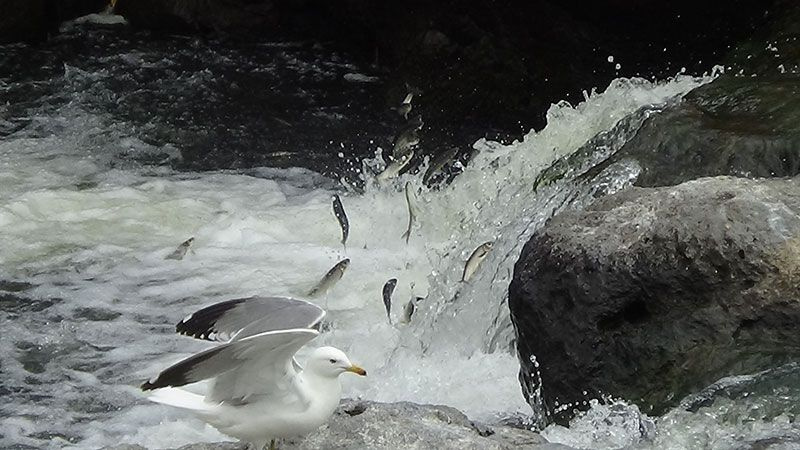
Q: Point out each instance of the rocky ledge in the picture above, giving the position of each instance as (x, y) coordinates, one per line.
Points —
(653, 293)
(359, 425)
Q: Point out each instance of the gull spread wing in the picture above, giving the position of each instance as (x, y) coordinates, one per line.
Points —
(243, 317)
(261, 364)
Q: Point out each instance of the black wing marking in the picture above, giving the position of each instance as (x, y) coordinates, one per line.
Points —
(239, 318)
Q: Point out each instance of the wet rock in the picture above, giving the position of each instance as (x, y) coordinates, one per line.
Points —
(733, 126)
(744, 123)
(360, 425)
(653, 293)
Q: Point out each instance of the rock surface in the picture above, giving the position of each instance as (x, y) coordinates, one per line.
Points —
(360, 425)
(653, 293)
(732, 126)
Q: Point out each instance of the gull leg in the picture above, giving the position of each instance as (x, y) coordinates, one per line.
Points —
(272, 445)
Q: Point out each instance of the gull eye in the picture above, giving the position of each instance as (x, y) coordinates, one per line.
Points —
(333, 361)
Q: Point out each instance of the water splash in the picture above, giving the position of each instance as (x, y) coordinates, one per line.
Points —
(87, 226)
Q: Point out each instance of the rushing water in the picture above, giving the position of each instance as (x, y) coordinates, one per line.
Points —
(95, 191)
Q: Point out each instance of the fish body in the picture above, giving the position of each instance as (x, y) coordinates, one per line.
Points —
(438, 162)
(405, 141)
(388, 289)
(410, 307)
(338, 211)
(405, 107)
(180, 252)
(109, 10)
(330, 278)
(475, 260)
(408, 138)
(411, 214)
(394, 169)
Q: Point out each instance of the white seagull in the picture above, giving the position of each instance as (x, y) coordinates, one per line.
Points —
(258, 391)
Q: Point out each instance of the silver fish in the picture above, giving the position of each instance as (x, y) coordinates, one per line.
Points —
(180, 252)
(388, 289)
(407, 139)
(330, 278)
(393, 169)
(405, 107)
(475, 260)
(109, 9)
(438, 162)
(411, 214)
(338, 211)
(411, 306)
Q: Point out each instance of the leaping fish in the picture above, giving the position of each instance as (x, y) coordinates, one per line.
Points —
(180, 252)
(438, 162)
(110, 7)
(393, 169)
(338, 211)
(408, 138)
(475, 260)
(411, 306)
(411, 214)
(388, 289)
(405, 107)
(330, 278)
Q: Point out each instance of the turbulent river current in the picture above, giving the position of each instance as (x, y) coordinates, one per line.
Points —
(115, 149)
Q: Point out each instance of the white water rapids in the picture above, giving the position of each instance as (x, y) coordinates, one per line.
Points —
(84, 238)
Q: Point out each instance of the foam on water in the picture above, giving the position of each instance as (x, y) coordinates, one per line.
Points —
(90, 237)
(753, 411)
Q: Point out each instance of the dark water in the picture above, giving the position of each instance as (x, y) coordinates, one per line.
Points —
(223, 104)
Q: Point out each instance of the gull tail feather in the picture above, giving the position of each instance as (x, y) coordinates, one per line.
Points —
(180, 398)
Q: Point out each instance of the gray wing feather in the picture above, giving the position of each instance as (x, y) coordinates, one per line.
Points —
(239, 318)
(260, 364)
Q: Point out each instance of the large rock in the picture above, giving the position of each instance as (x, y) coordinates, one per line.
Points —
(653, 293)
(732, 126)
(359, 425)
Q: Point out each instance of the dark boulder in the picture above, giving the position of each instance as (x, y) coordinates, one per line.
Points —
(738, 126)
(653, 293)
(744, 123)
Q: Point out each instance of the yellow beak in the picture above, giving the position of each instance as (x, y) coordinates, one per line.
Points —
(357, 370)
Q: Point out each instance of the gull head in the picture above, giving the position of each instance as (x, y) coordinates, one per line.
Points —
(331, 362)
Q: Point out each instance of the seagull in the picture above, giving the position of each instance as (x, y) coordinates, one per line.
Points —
(259, 392)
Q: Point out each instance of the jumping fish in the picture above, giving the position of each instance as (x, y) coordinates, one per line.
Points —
(475, 260)
(330, 278)
(411, 215)
(388, 288)
(180, 252)
(438, 162)
(405, 107)
(110, 8)
(338, 211)
(393, 169)
(407, 139)
(411, 306)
